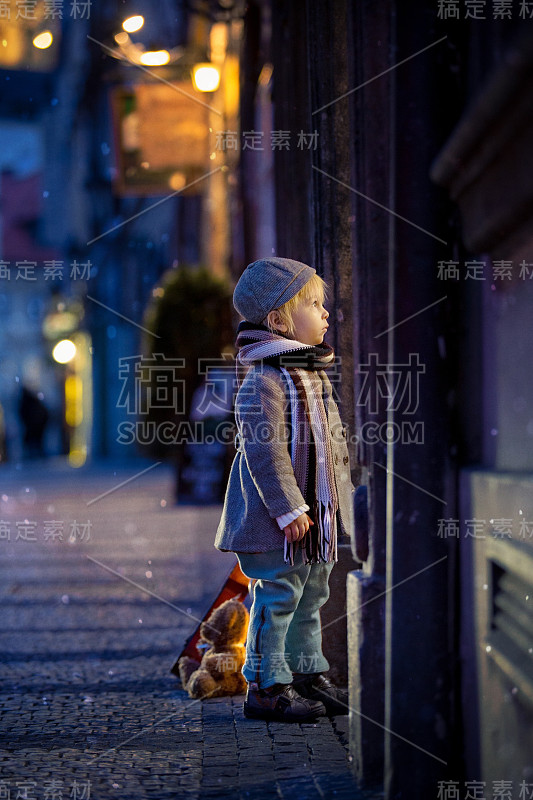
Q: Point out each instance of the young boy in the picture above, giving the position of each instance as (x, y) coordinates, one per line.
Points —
(288, 489)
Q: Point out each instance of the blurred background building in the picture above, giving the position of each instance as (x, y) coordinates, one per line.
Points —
(100, 126)
(389, 145)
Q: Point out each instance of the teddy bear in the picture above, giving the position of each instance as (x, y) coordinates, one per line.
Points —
(219, 672)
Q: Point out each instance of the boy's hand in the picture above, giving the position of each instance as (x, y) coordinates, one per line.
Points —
(298, 528)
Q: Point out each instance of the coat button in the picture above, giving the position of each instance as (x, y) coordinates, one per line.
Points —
(345, 460)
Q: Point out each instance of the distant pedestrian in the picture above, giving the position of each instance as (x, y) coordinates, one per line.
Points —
(34, 417)
(288, 490)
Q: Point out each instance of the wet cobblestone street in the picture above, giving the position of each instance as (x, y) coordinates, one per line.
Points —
(99, 590)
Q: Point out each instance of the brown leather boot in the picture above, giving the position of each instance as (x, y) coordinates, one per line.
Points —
(280, 703)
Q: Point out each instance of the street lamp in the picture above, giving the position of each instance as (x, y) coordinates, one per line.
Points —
(154, 58)
(43, 40)
(133, 52)
(206, 77)
(133, 24)
(64, 351)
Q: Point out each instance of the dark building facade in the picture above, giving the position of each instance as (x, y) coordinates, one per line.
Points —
(411, 202)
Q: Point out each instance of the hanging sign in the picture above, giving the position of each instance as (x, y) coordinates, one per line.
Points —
(161, 136)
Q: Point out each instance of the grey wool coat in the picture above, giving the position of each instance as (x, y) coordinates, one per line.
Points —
(262, 484)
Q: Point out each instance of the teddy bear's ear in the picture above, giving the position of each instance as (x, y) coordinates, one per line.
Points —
(207, 630)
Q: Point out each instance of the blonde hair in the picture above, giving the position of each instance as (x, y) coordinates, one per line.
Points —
(315, 287)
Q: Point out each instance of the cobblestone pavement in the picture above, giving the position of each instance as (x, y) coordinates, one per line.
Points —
(89, 707)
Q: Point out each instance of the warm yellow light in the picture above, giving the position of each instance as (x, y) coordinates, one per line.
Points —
(133, 24)
(177, 181)
(155, 58)
(73, 401)
(43, 40)
(77, 458)
(64, 351)
(218, 42)
(205, 77)
(122, 38)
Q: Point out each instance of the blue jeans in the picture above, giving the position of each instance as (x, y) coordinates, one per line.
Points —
(285, 633)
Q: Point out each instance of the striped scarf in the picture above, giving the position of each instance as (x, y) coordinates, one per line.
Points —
(302, 365)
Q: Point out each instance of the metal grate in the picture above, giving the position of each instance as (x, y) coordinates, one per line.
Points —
(510, 635)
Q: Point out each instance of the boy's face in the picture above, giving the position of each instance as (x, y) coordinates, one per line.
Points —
(309, 320)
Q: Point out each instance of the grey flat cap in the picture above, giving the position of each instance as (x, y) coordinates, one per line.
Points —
(267, 284)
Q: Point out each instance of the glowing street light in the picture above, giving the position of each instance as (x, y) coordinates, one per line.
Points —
(155, 58)
(43, 40)
(132, 24)
(205, 77)
(64, 351)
